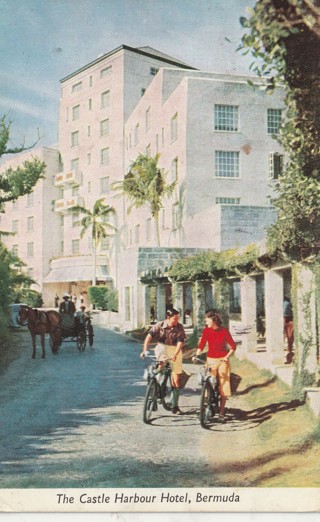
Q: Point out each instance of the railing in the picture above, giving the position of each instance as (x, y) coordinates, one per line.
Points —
(72, 177)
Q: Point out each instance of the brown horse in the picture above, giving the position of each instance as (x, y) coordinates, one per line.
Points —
(39, 323)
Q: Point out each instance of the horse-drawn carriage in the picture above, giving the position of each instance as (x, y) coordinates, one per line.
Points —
(77, 329)
(60, 327)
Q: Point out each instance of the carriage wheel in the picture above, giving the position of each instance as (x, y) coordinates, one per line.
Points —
(81, 341)
(90, 335)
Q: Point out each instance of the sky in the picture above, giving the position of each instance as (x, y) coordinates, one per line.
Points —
(42, 41)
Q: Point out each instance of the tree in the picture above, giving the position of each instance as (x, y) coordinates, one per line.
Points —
(96, 220)
(145, 185)
(13, 184)
(20, 181)
(284, 38)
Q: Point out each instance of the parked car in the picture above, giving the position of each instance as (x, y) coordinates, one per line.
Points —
(13, 315)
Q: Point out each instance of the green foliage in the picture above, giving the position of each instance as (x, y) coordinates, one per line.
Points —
(215, 265)
(145, 185)
(95, 220)
(284, 39)
(103, 298)
(20, 181)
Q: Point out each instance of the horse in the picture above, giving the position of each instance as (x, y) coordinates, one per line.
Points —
(39, 323)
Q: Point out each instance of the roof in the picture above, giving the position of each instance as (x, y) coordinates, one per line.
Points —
(66, 274)
(146, 51)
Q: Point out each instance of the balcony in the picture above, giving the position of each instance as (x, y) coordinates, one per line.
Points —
(72, 177)
(63, 205)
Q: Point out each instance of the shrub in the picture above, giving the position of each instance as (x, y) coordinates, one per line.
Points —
(103, 298)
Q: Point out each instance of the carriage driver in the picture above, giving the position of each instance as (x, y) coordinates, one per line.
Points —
(67, 306)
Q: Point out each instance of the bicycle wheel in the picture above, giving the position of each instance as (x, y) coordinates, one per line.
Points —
(206, 405)
(166, 389)
(150, 401)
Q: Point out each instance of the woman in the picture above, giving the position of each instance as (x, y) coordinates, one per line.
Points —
(218, 356)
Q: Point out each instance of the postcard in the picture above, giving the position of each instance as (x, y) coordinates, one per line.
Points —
(159, 358)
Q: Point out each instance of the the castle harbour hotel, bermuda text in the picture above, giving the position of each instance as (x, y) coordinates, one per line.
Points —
(164, 497)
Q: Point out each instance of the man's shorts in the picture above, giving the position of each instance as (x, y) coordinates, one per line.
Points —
(169, 351)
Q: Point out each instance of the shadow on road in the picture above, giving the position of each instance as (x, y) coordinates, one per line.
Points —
(256, 386)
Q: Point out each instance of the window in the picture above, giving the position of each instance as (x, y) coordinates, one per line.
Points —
(174, 170)
(106, 71)
(15, 205)
(75, 246)
(89, 158)
(175, 216)
(105, 99)
(75, 191)
(148, 150)
(76, 87)
(90, 80)
(15, 225)
(74, 165)
(227, 201)
(61, 247)
(148, 229)
(235, 297)
(105, 244)
(274, 120)
(136, 134)
(89, 131)
(90, 104)
(226, 117)
(62, 220)
(275, 165)
(89, 187)
(76, 112)
(127, 307)
(76, 220)
(30, 249)
(14, 250)
(104, 185)
(30, 223)
(226, 164)
(137, 234)
(104, 127)
(162, 136)
(153, 71)
(30, 200)
(148, 119)
(30, 272)
(104, 156)
(174, 127)
(74, 138)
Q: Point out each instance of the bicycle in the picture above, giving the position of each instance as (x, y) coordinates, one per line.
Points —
(159, 387)
(210, 395)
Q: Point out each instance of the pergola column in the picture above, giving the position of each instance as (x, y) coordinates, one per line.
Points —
(274, 315)
(248, 314)
(161, 302)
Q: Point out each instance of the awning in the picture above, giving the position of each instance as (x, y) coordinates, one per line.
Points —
(68, 274)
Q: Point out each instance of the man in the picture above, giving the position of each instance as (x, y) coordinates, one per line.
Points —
(170, 336)
(67, 306)
(288, 328)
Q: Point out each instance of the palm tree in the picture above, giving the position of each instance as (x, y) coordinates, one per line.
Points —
(145, 185)
(95, 220)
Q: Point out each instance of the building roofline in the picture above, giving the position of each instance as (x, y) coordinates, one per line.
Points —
(127, 48)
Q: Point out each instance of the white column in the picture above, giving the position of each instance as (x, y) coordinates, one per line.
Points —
(249, 314)
(274, 316)
(161, 302)
(306, 346)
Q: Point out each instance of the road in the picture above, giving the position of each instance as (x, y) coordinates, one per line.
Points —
(74, 420)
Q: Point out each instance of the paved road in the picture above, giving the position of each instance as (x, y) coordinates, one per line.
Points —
(75, 420)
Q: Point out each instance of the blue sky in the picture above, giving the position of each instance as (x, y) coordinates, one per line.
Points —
(42, 41)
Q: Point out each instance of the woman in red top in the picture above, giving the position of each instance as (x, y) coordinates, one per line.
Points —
(218, 338)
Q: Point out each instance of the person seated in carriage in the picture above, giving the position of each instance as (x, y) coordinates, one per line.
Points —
(82, 317)
(67, 310)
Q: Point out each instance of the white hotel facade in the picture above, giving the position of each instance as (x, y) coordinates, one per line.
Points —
(214, 136)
